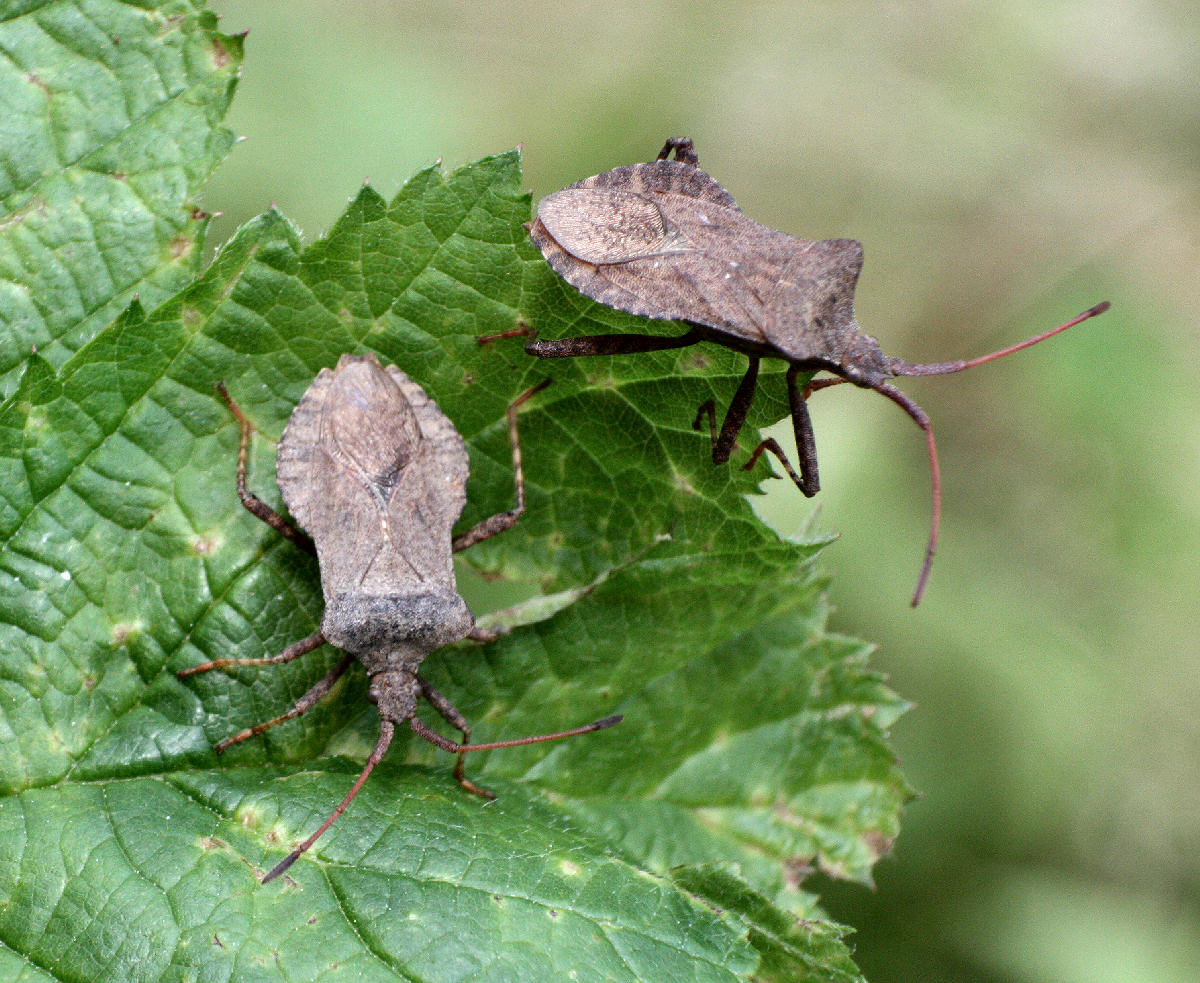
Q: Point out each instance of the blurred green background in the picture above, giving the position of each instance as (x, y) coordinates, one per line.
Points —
(1005, 166)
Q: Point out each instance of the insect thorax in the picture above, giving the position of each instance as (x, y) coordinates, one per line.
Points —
(421, 618)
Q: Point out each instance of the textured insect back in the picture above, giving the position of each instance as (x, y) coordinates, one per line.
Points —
(664, 240)
(376, 474)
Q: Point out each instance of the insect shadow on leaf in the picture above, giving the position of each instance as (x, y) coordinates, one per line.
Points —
(375, 473)
(663, 240)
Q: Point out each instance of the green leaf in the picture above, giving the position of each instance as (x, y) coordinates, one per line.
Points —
(112, 119)
(788, 764)
(160, 865)
(670, 847)
(791, 950)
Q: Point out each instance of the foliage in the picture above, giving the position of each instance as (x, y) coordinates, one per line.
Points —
(671, 847)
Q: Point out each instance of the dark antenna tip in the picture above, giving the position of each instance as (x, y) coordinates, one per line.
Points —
(282, 866)
(923, 579)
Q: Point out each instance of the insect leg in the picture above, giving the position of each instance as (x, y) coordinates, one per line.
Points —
(808, 480)
(735, 416)
(301, 706)
(293, 651)
(685, 152)
(522, 330)
(814, 386)
(483, 635)
(252, 502)
(386, 730)
(450, 713)
(610, 344)
(498, 523)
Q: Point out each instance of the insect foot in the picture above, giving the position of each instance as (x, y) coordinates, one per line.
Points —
(375, 475)
(663, 240)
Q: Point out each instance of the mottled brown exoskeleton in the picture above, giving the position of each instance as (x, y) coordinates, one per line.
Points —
(664, 240)
(376, 475)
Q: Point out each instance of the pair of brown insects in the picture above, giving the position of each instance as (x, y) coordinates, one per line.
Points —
(375, 473)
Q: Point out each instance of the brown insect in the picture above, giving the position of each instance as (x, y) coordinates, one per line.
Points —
(664, 240)
(376, 474)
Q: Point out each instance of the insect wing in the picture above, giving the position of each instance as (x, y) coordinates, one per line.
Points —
(687, 260)
(352, 431)
(371, 425)
(660, 177)
(417, 519)
(602, 227)
(443, 466)
(356, 471)
(300, 456)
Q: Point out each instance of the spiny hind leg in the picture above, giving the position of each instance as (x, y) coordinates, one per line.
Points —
(501, 521)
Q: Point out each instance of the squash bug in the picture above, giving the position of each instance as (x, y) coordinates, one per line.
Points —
(665, 241)
(376, 474)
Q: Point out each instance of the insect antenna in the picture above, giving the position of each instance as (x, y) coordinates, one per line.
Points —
(921, 419)
(900, 367)
(433, 737)
(386, 730)
(906, 403)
